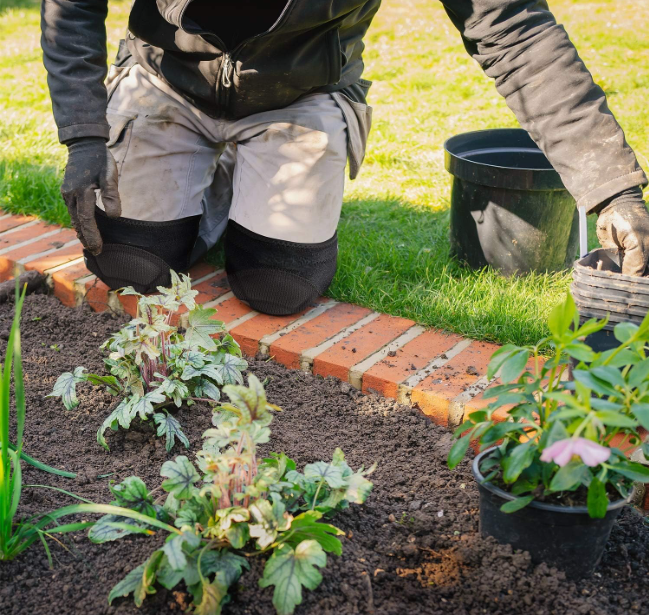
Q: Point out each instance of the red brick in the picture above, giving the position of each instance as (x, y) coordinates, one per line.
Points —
(200, 269)
(212, 289)
(14, 221)
(96, 295)
(645, 501)
(434, 393)
(129, 303)
(248, 333)
(9, 259)
(55, 259)
(287, 349)
(64, 283)
(24, 234)
(384, 377)
(231, 309)
(337, 360)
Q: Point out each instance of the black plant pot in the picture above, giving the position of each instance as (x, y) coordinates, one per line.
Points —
(509, 207)
(561, 536)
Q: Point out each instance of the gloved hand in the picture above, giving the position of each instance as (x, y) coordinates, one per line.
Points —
(90, 167)
(623, 223)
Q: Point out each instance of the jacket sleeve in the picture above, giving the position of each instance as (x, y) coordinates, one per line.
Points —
(74, 53)
(544, 82)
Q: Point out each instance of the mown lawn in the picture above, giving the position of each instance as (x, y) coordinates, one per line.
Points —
(393, 234)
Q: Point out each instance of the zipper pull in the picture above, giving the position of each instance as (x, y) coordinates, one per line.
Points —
(227, 67)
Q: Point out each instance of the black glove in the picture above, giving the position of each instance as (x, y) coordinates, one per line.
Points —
(90, 167)
(623, 223)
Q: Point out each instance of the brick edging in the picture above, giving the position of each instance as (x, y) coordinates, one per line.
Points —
(444, 374)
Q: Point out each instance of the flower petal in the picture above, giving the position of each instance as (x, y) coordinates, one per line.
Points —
(560, 452)
(591, 453)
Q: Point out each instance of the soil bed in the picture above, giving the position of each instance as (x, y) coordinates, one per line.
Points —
(413, 548)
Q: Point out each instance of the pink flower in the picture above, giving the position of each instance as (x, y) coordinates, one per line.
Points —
(561, 452)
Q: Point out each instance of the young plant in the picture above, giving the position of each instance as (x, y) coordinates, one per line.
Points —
(17, 536)
(564, 434)
(230, 506)
(153, 365)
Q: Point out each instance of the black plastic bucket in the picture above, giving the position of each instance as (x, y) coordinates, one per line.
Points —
(561, 536)
(509, 207)
(600, 289)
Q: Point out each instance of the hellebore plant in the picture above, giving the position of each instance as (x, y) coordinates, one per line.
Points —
(563, 434)
(153, 365)
(233, 507)
(17, 536)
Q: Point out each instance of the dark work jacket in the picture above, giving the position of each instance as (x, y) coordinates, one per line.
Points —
(317, 45)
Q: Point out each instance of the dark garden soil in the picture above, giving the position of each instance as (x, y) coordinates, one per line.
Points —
(413, 548)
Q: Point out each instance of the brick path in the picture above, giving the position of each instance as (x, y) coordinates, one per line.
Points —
(442, 373)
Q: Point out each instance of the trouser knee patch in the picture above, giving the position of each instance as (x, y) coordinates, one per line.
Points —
(277, 277)
(141, 254)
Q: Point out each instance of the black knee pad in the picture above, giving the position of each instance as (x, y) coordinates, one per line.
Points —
(141, 254)
(277, 277)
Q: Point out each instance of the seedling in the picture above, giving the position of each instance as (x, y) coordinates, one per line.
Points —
(230, 505)
(153, 365)
(17, 536)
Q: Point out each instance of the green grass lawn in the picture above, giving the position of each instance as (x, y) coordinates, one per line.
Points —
(394, 230)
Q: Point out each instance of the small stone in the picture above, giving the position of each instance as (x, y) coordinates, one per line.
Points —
(391, 518)
(392, 353)
(415, 505)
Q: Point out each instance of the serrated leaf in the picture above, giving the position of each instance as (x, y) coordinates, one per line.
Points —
(206, 388)
(230, 346)
(66, 387)
(289, 570)
(225, 563)
(230, 369)
(321, 471)
(170, 428)
(201, 327)
(173, 549)
(175, 390)
(270, 519)
(307, 527)
(238, 534)
(121, 416)
(167, 576)
(144, 405)
(133, 493)
(358, 487)
(181, 476)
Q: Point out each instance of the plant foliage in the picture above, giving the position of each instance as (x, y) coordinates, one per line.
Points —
(561, 433)
(153, 365)
(231, 505)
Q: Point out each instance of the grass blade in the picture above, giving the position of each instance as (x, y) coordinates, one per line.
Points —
(17, 480)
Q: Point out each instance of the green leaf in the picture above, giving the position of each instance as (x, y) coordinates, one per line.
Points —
(518, 459)
(270, 519)
(238, 534)
(499, 431)
(569, 476)
(499, 357)
(173, 549)
(167, 576)
(66, 387)
(624, 331)
(147, 580)
(307, 527)
(597, 499)
(327, 472)
(589, 380)
(144, 405)
(226, 564)
(132, 493)
(127, 585)
(202, 326)
(121, 416)
(580, 351)
(110, 382)
(609, 374)
(615, 419)
(512, 368)
(114, 527)
(517, 504)
(562, 317)
(458, 450)
(206, 388)
(639, 374)
(230, 369)
(641, 412)
(634, 471)
(181, 476)
(170, 428)
(289, 569)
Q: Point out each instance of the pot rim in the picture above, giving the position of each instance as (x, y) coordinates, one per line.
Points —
(573, 510)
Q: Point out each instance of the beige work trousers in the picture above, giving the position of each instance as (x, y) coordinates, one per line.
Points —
(279, 173)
